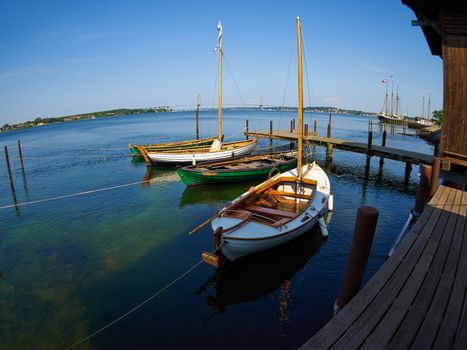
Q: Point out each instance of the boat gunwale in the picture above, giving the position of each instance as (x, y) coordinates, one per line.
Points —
(190, 168)
(202, 149)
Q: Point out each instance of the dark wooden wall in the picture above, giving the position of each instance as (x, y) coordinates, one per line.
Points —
(453, 144)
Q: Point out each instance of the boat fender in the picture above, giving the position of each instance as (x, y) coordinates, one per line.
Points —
(331, 202)
(322, 226)
(273, 172)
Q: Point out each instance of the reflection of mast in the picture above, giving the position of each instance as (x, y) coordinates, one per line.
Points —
(285, 299)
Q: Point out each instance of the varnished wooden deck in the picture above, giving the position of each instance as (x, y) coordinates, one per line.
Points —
(358, 147)
(417, 300)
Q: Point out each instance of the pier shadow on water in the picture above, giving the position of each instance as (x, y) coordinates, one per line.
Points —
(253, 277)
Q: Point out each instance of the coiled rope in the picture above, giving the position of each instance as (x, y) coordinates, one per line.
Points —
(136, 307)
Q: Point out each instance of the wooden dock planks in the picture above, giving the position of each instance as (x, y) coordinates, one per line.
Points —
(358, 147)
(416, 299)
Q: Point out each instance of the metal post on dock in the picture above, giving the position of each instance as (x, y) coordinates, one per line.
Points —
(434, 176)
(20, 155)
(423, 190)
(246, 128)
(364, 231)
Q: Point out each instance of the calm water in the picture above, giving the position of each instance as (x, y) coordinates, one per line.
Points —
(70, 266)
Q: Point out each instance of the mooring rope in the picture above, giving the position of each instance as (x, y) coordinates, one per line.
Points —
(136, 307)
(72, 195)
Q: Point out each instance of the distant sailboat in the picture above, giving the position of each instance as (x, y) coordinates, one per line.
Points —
(195, 151)
(390, 110)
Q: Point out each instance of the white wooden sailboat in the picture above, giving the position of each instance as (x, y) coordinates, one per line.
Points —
(277, 210)
(198, 153)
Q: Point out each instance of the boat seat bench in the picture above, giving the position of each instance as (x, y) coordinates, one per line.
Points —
(270, 211)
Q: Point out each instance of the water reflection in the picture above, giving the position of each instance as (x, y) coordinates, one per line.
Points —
(159, 175)
(214, 193)
(255, 276)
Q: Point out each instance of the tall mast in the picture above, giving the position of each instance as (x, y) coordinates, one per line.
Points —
(429, 105)
(219, 93)
(392, 97)
(386, 99)
(300, 100)
(423, 107)
(397, 100)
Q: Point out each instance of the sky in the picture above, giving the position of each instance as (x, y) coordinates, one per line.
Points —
(61, 57)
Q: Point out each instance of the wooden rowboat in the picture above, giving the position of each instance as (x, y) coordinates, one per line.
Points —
(134, 149)
(245, 168)
(273, 212)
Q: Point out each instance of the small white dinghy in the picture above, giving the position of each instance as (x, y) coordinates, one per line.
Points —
(273, 212)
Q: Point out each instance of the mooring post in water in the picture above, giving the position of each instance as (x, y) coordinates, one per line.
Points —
(329, 148)
(20, 155)
(314, 126)
(383, 140)
(434, 177)
(7, 160)
(291, 126)
(197, 117)
(329, 126)
(423, 190)
(370, 135)
(270, 135)
(246, 128)
(364, 231)
(305, 133)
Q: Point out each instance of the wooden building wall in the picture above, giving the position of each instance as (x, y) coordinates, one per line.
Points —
(453, 144)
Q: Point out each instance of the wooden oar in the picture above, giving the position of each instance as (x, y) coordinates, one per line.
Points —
(199, 227)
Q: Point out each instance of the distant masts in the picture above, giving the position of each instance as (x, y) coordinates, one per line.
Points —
(429, 105)
(261, 104)
(423, 107)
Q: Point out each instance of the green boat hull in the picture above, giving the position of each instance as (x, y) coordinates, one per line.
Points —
(191, 178)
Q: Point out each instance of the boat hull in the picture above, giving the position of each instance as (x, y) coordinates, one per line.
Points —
(196, 157)
(190, 177)
(240, 239)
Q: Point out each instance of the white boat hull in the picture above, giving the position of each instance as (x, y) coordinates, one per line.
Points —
(254, 237)
(196, 157)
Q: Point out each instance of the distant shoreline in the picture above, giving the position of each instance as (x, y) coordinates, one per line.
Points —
(128, 111)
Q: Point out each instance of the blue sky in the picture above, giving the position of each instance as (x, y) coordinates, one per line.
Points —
(67, 57)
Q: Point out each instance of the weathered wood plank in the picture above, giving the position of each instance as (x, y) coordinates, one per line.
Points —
(411, 271)
(435, 259)
(434, 316)
(329, 334)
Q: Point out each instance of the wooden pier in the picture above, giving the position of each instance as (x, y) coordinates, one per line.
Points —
(417, 298)
(347, 145)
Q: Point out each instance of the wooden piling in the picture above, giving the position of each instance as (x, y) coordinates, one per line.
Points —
(305, 133)
(423, 190)
(314, 127)
(291, 126)
(270, 135)
(364, 230)
(246, 129)
(7, 160)
(197, 122)
(434, 177)
(20, 154)
(383, 140)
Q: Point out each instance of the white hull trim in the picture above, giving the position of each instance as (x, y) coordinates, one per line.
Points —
(177, 158)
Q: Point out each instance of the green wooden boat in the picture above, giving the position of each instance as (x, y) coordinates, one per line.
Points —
(244, 168)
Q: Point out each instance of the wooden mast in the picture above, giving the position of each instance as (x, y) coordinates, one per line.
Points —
(219, 94)
(300, 100)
